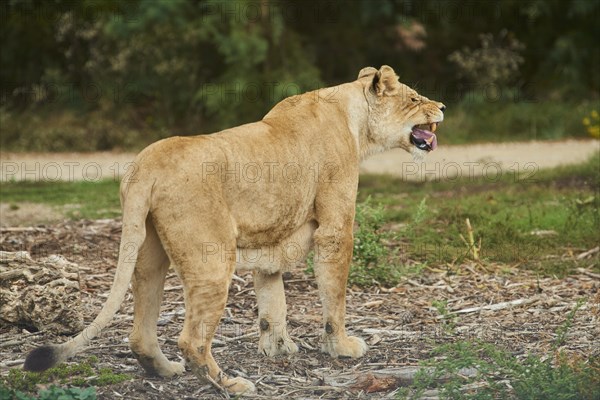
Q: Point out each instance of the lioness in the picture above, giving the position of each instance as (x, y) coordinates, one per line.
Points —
(259, 197)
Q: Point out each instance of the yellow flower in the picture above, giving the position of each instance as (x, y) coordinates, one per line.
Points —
(586, 121)
(594, 114)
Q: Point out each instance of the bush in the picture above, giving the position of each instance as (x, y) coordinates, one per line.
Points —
(373, 261)
(496, 61)
(506, 117)
(53, 393)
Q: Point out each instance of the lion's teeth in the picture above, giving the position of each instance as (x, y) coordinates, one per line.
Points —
(433, 126)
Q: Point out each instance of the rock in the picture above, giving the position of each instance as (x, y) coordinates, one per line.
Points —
(40, 294)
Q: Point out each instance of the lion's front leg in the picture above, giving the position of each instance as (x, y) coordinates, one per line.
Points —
(274, 338)
(333, 253)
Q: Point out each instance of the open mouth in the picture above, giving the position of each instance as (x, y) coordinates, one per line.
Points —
(423, 136)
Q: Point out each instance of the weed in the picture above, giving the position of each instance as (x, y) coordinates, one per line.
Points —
(372, 260)
(467, 370)
(448, 319)
(418, 217)
(84, 373)
(561, 333)
(107, 377)
(472, 248)
(592, 124)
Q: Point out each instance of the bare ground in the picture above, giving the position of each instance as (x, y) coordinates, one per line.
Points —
(25, 214)
(497, 304)
(488, 159)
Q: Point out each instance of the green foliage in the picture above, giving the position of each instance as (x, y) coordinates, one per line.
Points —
(591, 122)
(78, 199)
(53, 393)
(561, 333)
(497, 114)
(113, 74)
(500, 375)
(85, 373)
(496, 374)
(373, 261)
(497, 61)
(448, 319)
(506, 212)
(66, 130)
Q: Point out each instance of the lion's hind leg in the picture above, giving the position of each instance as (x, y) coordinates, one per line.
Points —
(206, 285)
(148, 283)
(202, 249)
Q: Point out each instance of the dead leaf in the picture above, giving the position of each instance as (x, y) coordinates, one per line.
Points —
(370, 383)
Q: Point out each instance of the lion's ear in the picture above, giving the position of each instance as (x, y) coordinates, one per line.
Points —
(366, 71)
(385, 81)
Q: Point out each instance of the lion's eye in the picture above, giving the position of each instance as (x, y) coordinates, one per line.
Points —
(414, 99)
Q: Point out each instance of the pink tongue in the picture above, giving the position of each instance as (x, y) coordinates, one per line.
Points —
(424, 139)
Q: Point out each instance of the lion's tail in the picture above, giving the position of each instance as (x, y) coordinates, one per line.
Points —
(134, 233)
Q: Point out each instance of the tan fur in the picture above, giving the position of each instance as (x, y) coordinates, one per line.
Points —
(259, 197)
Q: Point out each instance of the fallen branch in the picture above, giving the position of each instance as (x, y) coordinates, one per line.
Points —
(494, 307)
(588, 253)
(373, 303)
(22, 229)
(372, 331)
(12, 363)
(588, 273)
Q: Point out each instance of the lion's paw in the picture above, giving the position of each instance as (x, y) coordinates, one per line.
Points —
(175, 368)
(272, 346)
(349, 346)
(168, 369)
(238, 385)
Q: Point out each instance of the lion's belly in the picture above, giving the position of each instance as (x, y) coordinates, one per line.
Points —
(284, 255)
(266, 211)
(265, 223)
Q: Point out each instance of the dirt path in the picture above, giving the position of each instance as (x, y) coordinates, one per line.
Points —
(446, 162)
(490, 159)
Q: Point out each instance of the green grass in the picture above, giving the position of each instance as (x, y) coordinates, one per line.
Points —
(503, 214)
(374, 260)
(476, 120)
(19, 384)
(91, 200)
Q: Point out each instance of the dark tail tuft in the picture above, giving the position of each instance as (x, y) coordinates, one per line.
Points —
(41, 359)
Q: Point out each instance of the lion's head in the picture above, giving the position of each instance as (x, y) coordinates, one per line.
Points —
(398, 115)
